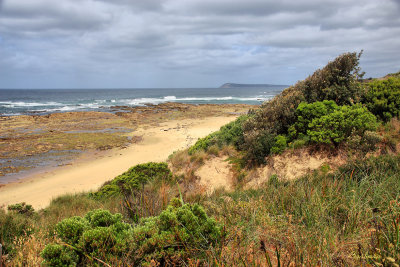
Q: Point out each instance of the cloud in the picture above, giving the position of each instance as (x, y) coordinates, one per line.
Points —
(167, 43)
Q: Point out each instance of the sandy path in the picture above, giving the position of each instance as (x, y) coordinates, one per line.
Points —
(157, 144)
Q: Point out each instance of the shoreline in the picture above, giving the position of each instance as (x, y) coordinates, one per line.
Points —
(83, 175)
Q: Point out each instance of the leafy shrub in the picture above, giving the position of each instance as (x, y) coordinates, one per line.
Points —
(259, 146)
(70, 230)
(337, 81)
(325, 122)
(59, 256)
(280, 144)
(179, 232)
(229, 134)
(306, 113)
(99, 234)
(383, 98)
(135, 178)
(21, 208)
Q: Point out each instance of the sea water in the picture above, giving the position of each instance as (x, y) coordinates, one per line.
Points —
(45, 101)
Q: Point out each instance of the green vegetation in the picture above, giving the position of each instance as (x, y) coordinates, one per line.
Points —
(383, 98)
(327, 123)
(229, 134)
(135, 179)
(97, 235)
(179, 232)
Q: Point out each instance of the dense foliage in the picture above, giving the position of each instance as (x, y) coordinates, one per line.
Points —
(383, 98)
(327, 123)
(231, 133)
(179, 232)
(97, 235)
(337, 81)
(135, 179)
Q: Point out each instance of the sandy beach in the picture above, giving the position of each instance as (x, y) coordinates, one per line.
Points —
(84, 175)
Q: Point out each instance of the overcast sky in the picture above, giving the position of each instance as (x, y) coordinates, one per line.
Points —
(189, 43)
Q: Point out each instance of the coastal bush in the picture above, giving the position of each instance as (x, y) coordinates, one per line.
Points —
(383, 98)
(139, 189)
(229, 134)
(135, 179)
(337, 81)
(326, 123)
(280, 144)
(99, 234)
(59, 256)
(179, 232)
(21, 208)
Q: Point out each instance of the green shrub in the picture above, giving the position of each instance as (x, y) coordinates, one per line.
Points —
(306, 113)
(21, 208)
(55, 255)
(280, 144)
(383, 98)
(259, 146)
(229, 134)
(337, 81)
(135, 178)
(98, 234)
(70, 230)
(180, 232)
(326, 123)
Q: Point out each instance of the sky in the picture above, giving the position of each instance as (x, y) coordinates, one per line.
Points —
(189, 43)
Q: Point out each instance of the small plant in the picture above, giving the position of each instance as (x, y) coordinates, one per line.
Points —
(21, 208)
(135, 179)
(59, 256)
(280, 144)
(229, 134)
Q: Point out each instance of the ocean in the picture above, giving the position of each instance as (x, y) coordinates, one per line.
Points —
(45, 101)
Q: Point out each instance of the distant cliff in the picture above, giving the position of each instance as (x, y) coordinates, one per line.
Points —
(235, 85)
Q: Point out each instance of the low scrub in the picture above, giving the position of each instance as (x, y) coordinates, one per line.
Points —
(229, 134)
(327, 123)
(383, 98)
(171, 238)
(135, 179)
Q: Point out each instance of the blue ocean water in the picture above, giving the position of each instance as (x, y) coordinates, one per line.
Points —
(44, 101)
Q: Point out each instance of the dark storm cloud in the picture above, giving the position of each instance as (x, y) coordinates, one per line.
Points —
(150, 43)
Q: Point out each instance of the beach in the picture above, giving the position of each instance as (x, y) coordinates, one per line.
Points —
(155, 141)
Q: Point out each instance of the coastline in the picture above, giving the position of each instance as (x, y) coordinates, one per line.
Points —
(157, 143)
